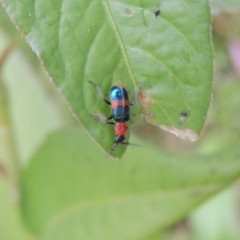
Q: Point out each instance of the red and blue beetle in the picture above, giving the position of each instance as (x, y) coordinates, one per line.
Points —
(119, 102)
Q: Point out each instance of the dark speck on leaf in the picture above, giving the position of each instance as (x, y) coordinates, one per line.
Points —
(157, 13)
(183, 116)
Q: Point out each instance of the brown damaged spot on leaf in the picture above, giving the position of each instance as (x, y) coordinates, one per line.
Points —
(182, 133)
(145, 101)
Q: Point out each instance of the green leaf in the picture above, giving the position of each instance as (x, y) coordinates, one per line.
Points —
(11, 223)
(5, 146)
(31, 109)
(70, 188)
(168, 57)
(221, 214)
(5, 22)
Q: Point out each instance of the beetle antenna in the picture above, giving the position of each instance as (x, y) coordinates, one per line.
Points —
(128, 143)
(99, 91)
(124, 143)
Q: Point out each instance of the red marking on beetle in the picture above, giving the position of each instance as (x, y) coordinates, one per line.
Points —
(120, 102)
(120, 128)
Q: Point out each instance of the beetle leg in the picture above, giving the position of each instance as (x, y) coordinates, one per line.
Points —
(109, 122)
(100, 92)
(101, 118)
(113, 123)
(113, 148)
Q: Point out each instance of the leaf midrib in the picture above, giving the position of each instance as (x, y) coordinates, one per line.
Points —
(119, 39)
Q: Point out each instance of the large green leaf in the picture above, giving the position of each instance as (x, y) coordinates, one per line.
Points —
(31, 109)
(68, 190)
(11, 222)
(168, 57)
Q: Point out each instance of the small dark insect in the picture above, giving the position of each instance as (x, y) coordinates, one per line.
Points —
(157, 13)
(184, 114)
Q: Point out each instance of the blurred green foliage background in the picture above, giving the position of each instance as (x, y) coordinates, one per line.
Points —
(35, 124)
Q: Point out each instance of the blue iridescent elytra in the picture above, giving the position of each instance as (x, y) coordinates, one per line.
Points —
(119, 103)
